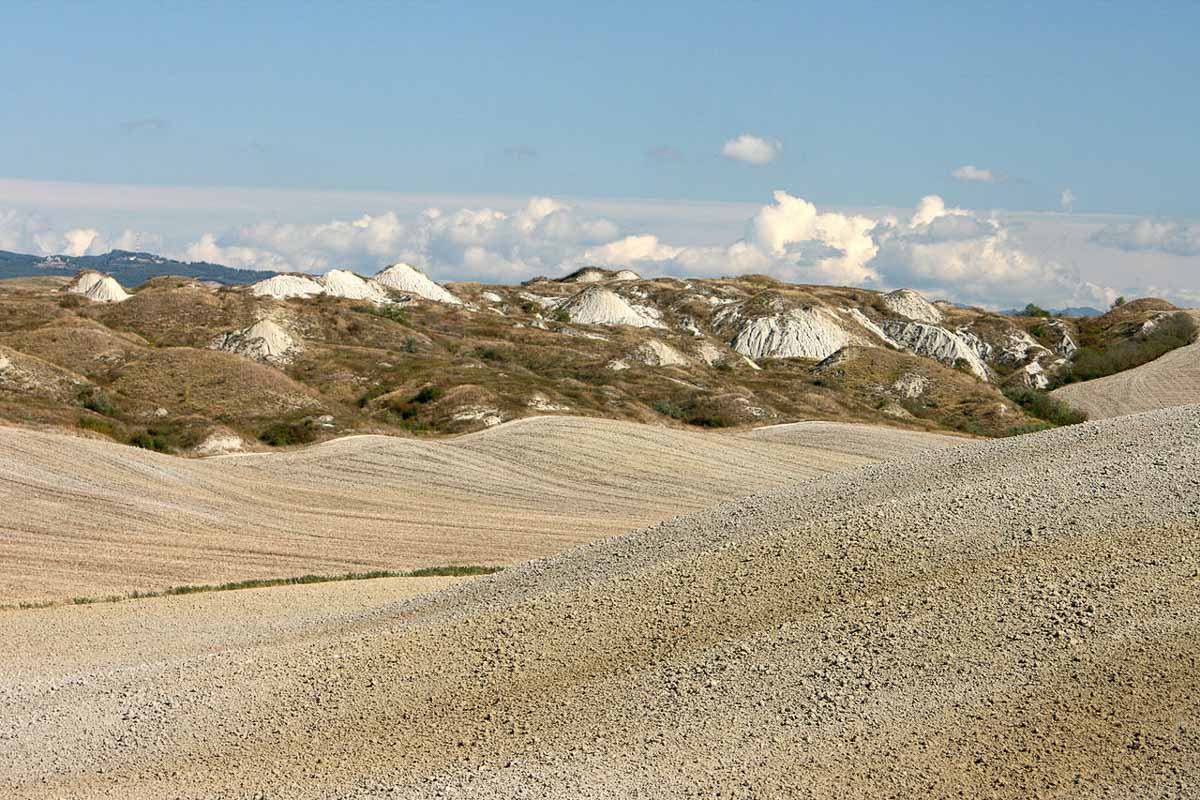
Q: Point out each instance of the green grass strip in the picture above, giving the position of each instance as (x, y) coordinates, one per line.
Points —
(262, 583)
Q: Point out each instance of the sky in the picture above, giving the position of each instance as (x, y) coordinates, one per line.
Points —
(986, 153)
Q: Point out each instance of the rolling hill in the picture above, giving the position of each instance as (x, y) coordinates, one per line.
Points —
(1008, 619)
(92, 518)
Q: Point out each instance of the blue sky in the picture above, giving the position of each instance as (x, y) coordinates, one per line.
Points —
(864, 106)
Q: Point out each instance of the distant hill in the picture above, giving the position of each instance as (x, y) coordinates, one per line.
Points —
(1069, 311)
(1077, 311)
(129, 268)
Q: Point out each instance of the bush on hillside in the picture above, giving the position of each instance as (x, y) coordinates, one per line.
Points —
(1045, 407)
(492, 353)
(97, 424)
(282, 434)
(150, 441)
(428, 394)
(669, 410)
(168, 437)
(97, 400)
(702, 418)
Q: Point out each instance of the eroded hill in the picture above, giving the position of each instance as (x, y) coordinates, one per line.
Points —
(186, 366)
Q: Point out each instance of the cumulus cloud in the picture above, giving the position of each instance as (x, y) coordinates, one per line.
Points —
(958, 254)
(938, 249)
(18, 230)
(30, 233)
(789, 239)
(483, 244)
(946, 252)
(207, 248)
(751, 149)
(970, 172)
(1147, 235)
(1066, 200)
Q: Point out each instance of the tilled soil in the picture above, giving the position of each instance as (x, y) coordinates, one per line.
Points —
(1011, 619)
(83, 517)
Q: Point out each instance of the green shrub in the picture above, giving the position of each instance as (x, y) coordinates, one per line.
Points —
(282, 434)
(428, 394)
(1045, 407)
(370, 394)
(1032, 310)
(561, 315)
(491, 353)
(1029, 427)
(387, 312)
(101, 426)
(148, 441)
(669, 410)
(710, 420)
(97, 400)
(167, 437)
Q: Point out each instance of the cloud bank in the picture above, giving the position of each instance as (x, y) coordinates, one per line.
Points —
(945, 252)
(994, 259)
(1147, 235)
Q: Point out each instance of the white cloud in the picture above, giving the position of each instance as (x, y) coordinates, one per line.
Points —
(954, 253)
(996, 259)
(1066, 200)
(630, 249)
(30, 233)
(482, 244)
(946, 252)
(18, 230)
(1143, 235)
(789, 239)
(79, 241)
(970, 172)
(751, 149)
(206, 248)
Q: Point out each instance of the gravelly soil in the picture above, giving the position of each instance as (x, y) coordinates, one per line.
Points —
(1011, 619)
(86, 518)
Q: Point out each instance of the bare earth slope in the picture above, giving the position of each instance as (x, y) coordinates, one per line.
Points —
(87, 517)
(1169, 380)
(1008, 619)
